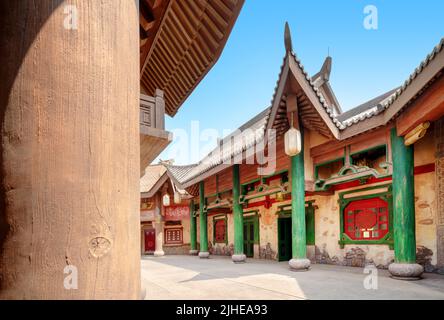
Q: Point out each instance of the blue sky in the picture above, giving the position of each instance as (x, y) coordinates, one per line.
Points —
(366, 63)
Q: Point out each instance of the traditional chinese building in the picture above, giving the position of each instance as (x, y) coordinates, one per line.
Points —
(347, 188)
(164, 214)
(85, 88)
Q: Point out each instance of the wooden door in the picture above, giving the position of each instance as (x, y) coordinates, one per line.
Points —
(284, 233)
(284, 239)
(150, 240)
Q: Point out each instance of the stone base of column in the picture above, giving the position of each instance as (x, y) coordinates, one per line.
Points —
(406, 271)
(239, 258)
(193, 252)
(159, 253)
(299, 264)
(204, 255)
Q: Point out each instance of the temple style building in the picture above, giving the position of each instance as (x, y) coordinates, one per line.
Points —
(85, 86)
(346, 188)
(164, 214)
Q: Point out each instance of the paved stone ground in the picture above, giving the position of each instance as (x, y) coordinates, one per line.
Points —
(190, 278)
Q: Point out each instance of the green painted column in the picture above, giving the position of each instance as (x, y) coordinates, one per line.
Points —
(403, 210)
(238, 217)
(299, 243)
(193, 230)
(403, 200)
(203, 223)
(298, 230)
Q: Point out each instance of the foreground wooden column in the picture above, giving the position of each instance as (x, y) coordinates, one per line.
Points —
(405, 266)
(299, 262)
(203, 253)
(69, 152)
(238, 216)
(193, 231)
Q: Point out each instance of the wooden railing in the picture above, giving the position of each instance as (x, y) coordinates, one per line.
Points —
(152, 112)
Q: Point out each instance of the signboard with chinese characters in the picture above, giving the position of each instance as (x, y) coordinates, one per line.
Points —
(148, 215)
(147, 210)
(146, 204)
(177, 213)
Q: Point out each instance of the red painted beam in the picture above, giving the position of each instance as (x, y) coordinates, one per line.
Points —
(427, 168)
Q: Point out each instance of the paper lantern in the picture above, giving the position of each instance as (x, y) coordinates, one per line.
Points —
(293, 143)
(166, 200)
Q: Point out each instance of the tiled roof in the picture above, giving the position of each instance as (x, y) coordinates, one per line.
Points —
(312, 85)
(242, 139)
(365, 110)
(415, 73)
(322, 101)
(151, 176)
(258, 124)
(155, 173)
(374, 107)
(180, 173)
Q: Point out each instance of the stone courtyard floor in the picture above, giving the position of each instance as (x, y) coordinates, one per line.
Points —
(217, 278)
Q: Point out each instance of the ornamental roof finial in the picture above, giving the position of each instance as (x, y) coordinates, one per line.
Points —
(287, 38)
(326, 68)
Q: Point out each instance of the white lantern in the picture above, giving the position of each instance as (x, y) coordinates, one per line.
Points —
(177, 198)
(293, 142)
(166, 200)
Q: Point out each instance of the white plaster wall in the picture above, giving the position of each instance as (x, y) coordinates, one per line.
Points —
(327, 231)
(426, 205)
(268, 230)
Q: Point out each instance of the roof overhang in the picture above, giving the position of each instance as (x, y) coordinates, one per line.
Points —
(183, 43)
(427, 77)
(156, 187)
(311, 109)
(152, 142)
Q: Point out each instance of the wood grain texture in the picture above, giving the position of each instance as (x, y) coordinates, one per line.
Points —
(69, 114)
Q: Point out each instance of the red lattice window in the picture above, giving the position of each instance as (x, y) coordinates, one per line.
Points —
(220, 230)
(173, 236)
(366, 219)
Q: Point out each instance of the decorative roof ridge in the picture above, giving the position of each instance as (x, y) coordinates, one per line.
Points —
(207, 162)
(386, 103)
(423, 64)
(324, 104)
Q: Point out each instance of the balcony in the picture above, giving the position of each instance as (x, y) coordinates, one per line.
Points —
(153, 137)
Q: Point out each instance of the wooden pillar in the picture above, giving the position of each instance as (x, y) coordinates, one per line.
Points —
(299, 259)
(69, 151)
(238, 216)
(403, 210)
(159, 239)
(203, 223)
(193, 230)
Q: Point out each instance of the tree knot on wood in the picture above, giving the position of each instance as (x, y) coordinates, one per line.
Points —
(99, 246)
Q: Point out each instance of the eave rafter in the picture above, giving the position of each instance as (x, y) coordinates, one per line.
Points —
(189, 38)
(312, 117)
(311, 106)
